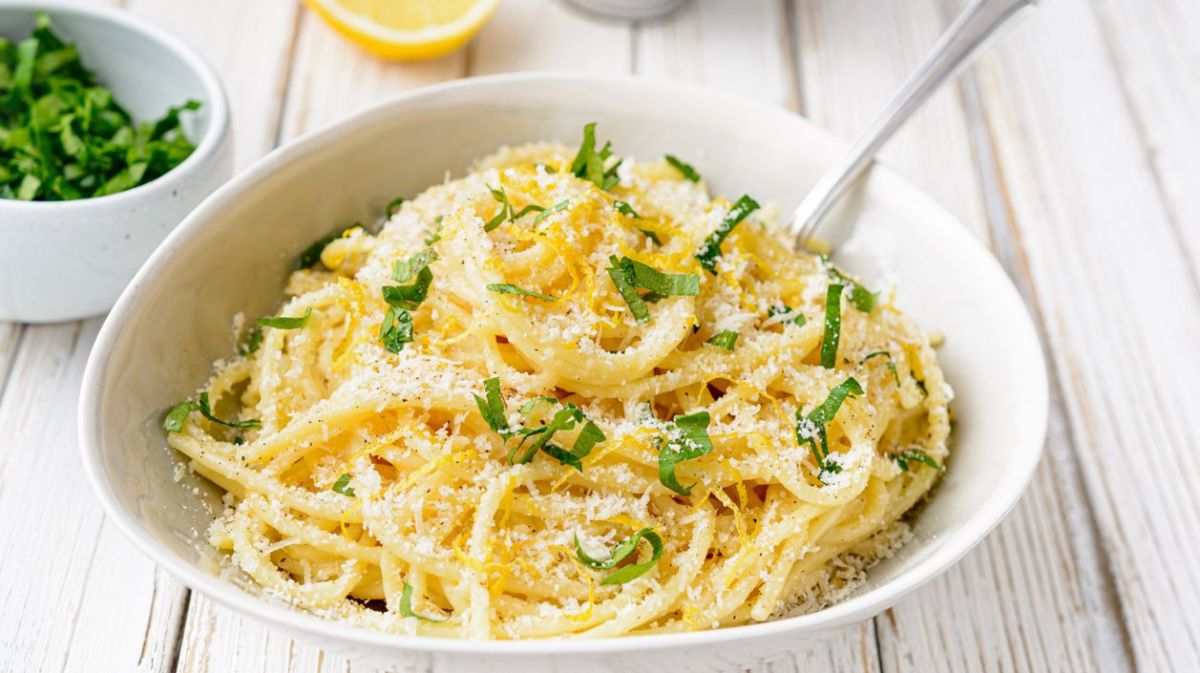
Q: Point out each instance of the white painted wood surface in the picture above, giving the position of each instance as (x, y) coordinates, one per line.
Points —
(1073, 150)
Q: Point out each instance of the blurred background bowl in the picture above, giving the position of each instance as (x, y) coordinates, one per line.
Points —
(61, 260)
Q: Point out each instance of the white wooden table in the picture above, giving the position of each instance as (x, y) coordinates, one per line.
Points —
(1073, 149)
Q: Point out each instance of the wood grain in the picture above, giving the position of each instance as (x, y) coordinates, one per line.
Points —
(1088, 216)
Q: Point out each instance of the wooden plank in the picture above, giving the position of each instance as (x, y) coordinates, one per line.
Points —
(1152, 48)
(10, 339)
(1047, 552)
(1088, 216)
(77, 596)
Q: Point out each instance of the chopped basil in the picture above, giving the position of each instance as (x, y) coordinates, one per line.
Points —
(651, 235)
(833, 326)
(492, 407)
(206, 412)
(394, 205)
(914, 455)
(626, 209)
(253, 340)
(416, 268)
(711, 250)
(508, 288)
(686, 169)
(406, 606)
(628, 275)
(589, 164)
(862, 298)
(531, 208)
(891, 364)
(783, 309)
(177, 416)
(726, 339)
(283, 322)
(589, 436)
(501, 197)
(811, 429)
(312, 254)
(532, 404)
(621, 551)
(435, 232)
(691, 441)
(396, 329)
(547, 212)
(342, 485)
(623, 278)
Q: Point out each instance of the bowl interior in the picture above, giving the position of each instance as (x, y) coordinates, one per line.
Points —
(234, 252)
(145, 74)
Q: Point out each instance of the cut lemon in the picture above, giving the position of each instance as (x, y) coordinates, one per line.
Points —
(406, 29)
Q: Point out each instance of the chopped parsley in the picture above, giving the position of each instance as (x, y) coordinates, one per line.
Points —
(509, 288)
(726, 339)
(621, 551)
(406, 610)
(690, 441)
(342, 486)
(711, 250)
(590, 164)
(283, 322)
(833, 326)
(811, 429)
(891, 364)
(914, 455)
(63, 136)
(628, 275)
(684, 168)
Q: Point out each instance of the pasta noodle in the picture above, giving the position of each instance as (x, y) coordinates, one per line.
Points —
(593, 402)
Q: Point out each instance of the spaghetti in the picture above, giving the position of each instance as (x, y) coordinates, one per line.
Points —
(567, 395)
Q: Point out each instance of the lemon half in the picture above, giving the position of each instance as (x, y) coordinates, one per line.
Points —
(406, 29)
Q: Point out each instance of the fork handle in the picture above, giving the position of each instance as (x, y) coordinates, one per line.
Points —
(961, 42)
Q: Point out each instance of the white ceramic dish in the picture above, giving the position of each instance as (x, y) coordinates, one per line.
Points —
(235, 250)
(70, 259)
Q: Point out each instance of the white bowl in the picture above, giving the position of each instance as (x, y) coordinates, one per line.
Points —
(62, 260)
(236, 249)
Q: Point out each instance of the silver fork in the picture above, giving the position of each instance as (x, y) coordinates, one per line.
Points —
(961, 42)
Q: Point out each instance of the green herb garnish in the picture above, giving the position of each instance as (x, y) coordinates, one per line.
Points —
(253, 341)
(626, 209)
(435, 232)
(689, 441)
(403, 270)
(416, 269)
(833, 326)
(491, 408)
(811, 429)
(176, 418)
(396, 329)
(64, 137)
(891, 364)
(508, 288)
(862, 298)
(914, 455)
(393, 206)
(685, 168)
(726, 339)
(623, 550)
(547, 212)
(282, 322)
(783, 309)
(501, 197)
(406, 610)
(628, 275)
(711, 250)
(342, 486)
(589, 164)
(312, 254)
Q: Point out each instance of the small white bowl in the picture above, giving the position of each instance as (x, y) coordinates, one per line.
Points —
(237, 248)
(62, 260)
